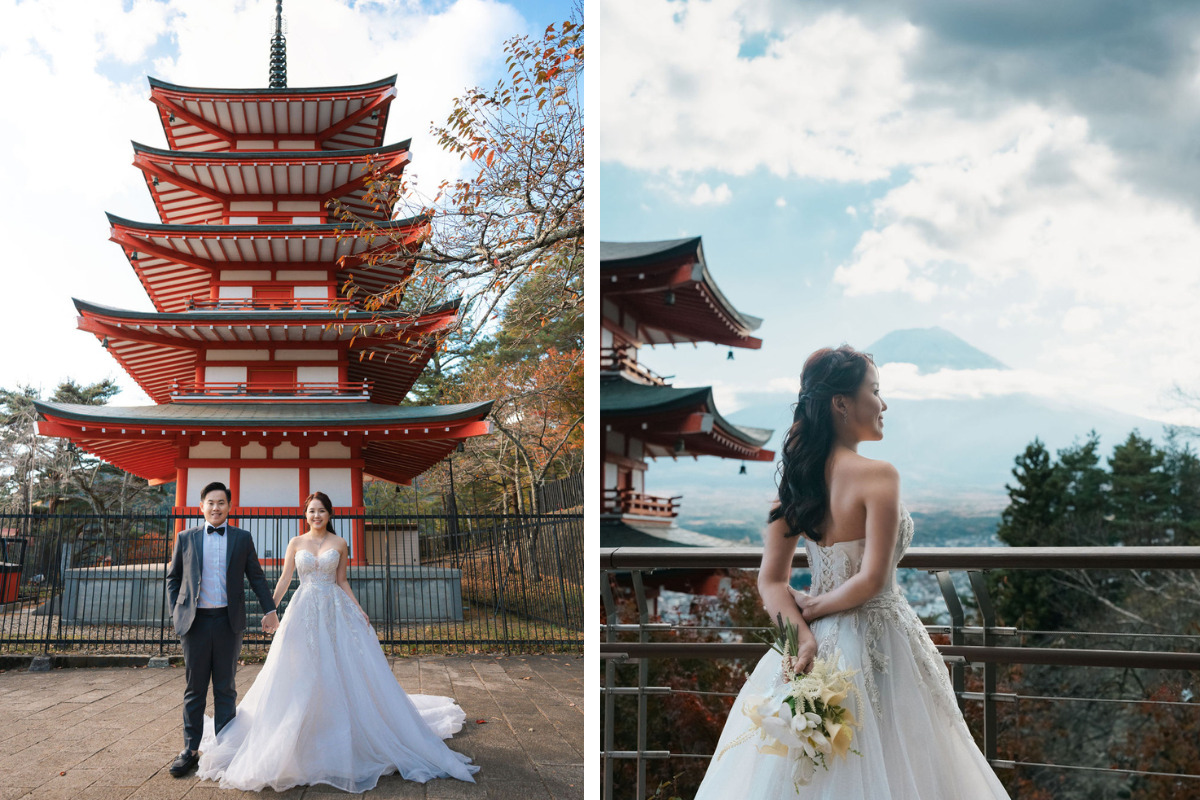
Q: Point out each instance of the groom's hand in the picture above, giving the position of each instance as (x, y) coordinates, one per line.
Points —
(270, 622)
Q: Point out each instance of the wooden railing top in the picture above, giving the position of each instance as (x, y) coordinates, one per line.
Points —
(927, 558)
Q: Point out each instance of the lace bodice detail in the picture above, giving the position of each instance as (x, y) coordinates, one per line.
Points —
(314, 569)
(835, 564)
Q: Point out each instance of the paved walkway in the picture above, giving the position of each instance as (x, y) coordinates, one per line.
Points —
(109, 734)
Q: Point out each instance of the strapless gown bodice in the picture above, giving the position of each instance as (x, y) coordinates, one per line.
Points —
(317, 569)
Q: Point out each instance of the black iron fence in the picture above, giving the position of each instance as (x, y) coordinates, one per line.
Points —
(561, 494)
(445, 583)
(635, 639)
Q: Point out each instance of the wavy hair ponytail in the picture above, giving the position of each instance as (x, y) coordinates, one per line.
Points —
(803, 493)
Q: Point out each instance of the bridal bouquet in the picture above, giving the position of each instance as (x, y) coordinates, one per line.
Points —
(804, 719)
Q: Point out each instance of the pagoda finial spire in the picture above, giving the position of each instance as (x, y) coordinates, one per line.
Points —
(278, 51)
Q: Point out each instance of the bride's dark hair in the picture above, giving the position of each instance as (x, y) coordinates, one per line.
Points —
(803, 493)
(325, 501)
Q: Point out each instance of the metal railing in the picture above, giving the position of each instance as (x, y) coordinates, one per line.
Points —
(619, 359)
(939, 561)
(627, 501)
(445, 583)
(302, 391)
(561, 493)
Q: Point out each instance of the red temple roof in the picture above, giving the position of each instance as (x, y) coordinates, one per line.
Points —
(665, 287)
(677, 422)
(179, 262)
(398, 442)
(192, 188)
(161, 351)
(324, 118)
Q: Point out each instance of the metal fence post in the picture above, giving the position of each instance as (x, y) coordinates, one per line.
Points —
(958, 671)
(639, 593)
(168, 546)
(979, 584)
(610, 681)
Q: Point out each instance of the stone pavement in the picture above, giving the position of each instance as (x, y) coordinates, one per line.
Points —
(109, 734)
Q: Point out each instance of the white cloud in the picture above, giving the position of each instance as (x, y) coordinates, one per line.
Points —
(65, 128)
(1011, 209)
(705, 195)
(1081, 319)
(677, 98)
(1044, 224)
(904, 382)
(780, 202)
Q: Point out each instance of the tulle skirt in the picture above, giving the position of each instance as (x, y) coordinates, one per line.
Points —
(326, 708)
(914, 742)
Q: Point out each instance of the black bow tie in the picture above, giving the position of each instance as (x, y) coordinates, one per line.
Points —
(219, 531)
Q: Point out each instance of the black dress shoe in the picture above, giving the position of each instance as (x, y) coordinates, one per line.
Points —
(184, 763)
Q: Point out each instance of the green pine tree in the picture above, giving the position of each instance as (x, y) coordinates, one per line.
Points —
(1141, 487)
(1025, 598)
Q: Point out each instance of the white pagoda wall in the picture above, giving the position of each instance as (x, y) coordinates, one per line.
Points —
(333, 481)
(199, 477)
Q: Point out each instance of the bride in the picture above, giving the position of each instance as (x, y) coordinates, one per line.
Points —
(326, 708)
(914, 742)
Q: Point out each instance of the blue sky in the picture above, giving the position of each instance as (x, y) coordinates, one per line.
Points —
(1023, 177)
(76, 95)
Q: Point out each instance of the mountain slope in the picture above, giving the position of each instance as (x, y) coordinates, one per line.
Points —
(930, 349)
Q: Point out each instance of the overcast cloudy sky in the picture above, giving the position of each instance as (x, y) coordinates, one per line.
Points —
(75, 94)
(1023, 174)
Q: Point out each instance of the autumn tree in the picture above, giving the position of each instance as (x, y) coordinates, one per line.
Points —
(518, 219)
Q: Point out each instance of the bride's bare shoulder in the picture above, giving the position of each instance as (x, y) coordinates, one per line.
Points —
(863, 467)
(870, 479)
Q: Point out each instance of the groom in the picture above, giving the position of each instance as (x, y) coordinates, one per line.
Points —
(208, 607)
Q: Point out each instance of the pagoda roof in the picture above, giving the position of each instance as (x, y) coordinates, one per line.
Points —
(663, 415)
(667, 288)
(398, 442)
(160, 350)
(328, 117)
(193, 187)
(178, 262)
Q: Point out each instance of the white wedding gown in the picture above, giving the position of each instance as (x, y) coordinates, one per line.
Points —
(914, 742)
(326, 707)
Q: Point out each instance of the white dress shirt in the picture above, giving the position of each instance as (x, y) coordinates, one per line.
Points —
(212, 571)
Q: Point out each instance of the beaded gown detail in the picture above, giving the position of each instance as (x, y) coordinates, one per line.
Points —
(326, 708)
(914, 742)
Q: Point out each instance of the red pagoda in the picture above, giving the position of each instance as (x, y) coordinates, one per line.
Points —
(660, 293)
(261, 376)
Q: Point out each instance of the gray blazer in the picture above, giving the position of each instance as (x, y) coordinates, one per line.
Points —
(241, 561)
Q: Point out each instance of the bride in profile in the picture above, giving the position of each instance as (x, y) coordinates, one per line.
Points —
(914, 742)
(326, 707)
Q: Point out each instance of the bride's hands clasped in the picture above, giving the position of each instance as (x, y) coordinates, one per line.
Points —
(806, 603)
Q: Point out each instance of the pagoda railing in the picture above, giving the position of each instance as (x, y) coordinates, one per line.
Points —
(636, 639)
(269, 304)
(299, 391)
(627, 501)
(622, 360)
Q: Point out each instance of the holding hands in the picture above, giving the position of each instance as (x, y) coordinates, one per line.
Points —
(270, 623)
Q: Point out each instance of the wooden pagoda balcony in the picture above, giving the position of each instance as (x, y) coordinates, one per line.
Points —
(270, 304)
(619, 359)
(626, 502)
(304, 392)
